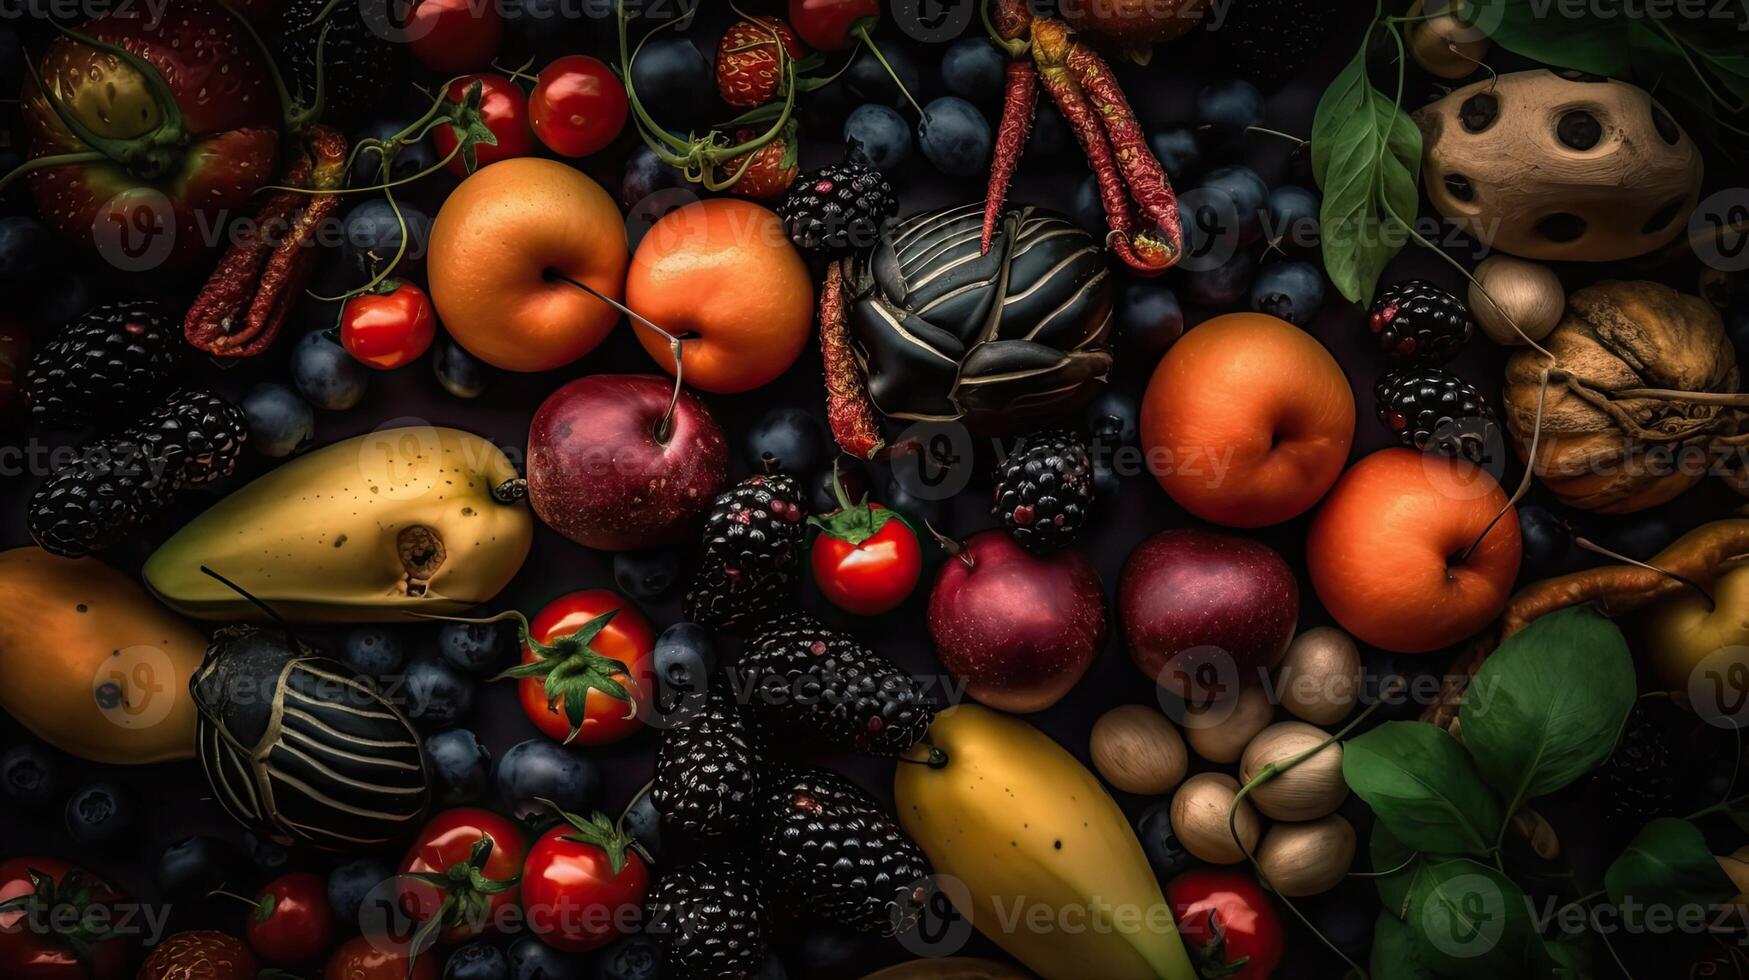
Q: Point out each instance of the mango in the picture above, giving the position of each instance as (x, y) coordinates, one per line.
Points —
(379, 528)
(91, 664)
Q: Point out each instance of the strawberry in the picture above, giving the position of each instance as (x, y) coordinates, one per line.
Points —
(751, 59)
(773, 168)
(206, 138)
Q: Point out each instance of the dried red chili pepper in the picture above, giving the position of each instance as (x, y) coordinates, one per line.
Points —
(849, 411)
(249, 294)
(1142, 173)
(1018, 105)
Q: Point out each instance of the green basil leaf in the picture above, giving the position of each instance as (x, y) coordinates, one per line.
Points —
(1669, 866)
(1366, 157)
(1402, 861)
(1599, 45)
(1396, 950)
(1472, 921)
(1549, 704)
(1573, 957)
(1421, 784)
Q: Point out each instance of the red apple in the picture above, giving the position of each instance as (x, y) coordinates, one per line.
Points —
(1386, 551)
(1017, 629)
(608, 467)
(1204, 611)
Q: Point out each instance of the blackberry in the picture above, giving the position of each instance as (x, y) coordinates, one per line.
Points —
(1437, 411)
(117, 355)
(822, 686)
(830, 846)
(710, 916)
(1642, 779)
(838, 209)
(358, 64)
(1044, 490)
(119, 484)
(705, 767)
(752, 556)
(1420, 322)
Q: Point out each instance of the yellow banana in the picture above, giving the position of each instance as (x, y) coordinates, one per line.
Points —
(1046, 864)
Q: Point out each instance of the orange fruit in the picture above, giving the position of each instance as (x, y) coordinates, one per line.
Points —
(722, 274)
(496, 244)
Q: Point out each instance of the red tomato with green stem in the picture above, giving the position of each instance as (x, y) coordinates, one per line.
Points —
(390, 326)
(461, 873)
(377, 958)
(578, 106)
(1228, 923)
(584, 883)
(501, 113)
(55, 923)
(866, 559)
(453, 36)
(604, 645)
(292, 922)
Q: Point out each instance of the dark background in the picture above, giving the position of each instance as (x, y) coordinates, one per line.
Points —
(176, 802)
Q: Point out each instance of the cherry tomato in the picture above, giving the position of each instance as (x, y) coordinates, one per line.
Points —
(584, 883)
(503, 110)
(591, 628)
(14, 356)
(833, 25)
(47, 914)
(453, 36)
(1225, 917)
(374, 958)
(578, 105)
(292, 922)
(866, 559)
(438, 865)
(390, 326)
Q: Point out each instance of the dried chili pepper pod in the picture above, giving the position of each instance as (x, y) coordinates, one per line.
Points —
(1020, 101)
(849, 411)
(1161, 240)
(249, 294)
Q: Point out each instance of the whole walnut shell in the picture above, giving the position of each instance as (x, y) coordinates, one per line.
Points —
(1605, 447)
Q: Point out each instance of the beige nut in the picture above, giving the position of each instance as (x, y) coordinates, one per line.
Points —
(1138, 750)
(1311, 789)
(1220, 732)
(1300, 859)
(1319, 679)
(1442, 44)
(1508, 291)
(1199, 818)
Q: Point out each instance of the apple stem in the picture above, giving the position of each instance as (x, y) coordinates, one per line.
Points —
(665, 427)
(1536, 434)
(1595, 548)
(949, 545)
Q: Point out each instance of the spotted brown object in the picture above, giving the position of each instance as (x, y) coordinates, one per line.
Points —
(200, 954)
(750, 60)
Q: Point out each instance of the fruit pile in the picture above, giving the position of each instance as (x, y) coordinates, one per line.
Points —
(840, 489)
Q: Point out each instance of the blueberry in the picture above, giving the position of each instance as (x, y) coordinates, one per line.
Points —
(1293, 217)
(531, 959)
(1291, 290)
(1165, 854)
(868, 80)
(437, 695)
(1087, 209)
(102, 814)
(349, 884)
(955, 137)
(1548, 541)
(1050, 132)
(828, 949)
(916, 503)
(327, 376)
(374, 650)
(1149, 319)
(477, 961)
(787, 439)
(1179, 152)
(684, 658)
(30, 775)
(1115, 416)
(478, 648)
(646, 575)
(68, 294)
(874, 136)
(280, 423)
(411, 158)
(644, 822)
(645, 175)
(1223, 285)
(459, 372)
(1639, 536)
(1229, 107)
(194, 867)
(1249, 195)
(634, 957)
(770, 968)
(461, 765)
(974, 69)
(24, 247)
(270, 858)
(370, 236)
(823, 497)
(674, 80)
(538, 769)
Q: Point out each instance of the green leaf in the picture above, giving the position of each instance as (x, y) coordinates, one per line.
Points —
(1396, 950)
(1472, 921)
(1421, 784)
(1366, 156)
(1402, 861)
(1549, 704)
(1669, 866)
(1574, 957)
(1598, 45)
